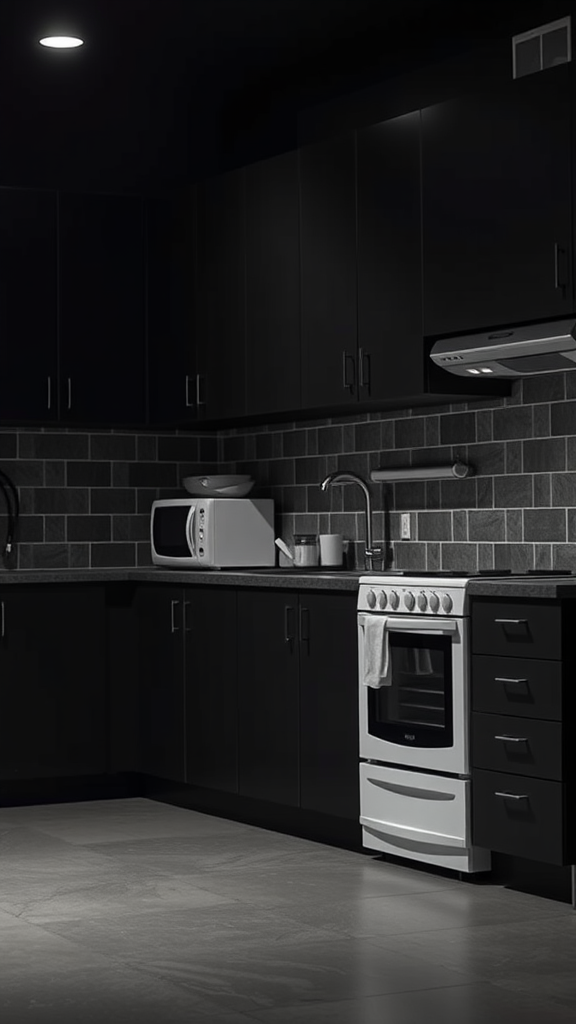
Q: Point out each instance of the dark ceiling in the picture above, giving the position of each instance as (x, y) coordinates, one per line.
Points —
(163, 89)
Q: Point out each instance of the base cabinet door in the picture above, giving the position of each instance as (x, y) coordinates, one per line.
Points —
(329, 755)
(211, 688)
(268, 696)
(53, 682)
(161, 682)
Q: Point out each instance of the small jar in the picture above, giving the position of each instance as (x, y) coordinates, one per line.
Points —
(305, 550)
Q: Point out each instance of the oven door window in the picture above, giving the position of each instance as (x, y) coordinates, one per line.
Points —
(415, 710)
(169, 531)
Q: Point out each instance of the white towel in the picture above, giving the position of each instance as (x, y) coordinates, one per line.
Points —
(377, 660)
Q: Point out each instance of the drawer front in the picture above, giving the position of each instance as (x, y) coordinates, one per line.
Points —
(525, 822)
(517, 629)
(523, 746)
(526, 687)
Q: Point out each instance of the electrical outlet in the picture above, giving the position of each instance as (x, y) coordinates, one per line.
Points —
(405, 526)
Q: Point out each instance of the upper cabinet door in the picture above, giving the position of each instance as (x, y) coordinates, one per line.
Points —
(273, 285)
(328, 269)
(171, 343)
(390, 354)
(102, 309)
(497, 206)
(28, 384)
(221, 296)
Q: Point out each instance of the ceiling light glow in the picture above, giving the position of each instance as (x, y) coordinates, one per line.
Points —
(61, 42)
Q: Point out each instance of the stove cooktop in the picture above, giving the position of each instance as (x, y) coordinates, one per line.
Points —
(463, 575)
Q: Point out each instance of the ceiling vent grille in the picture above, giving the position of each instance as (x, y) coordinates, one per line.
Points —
(542, 48)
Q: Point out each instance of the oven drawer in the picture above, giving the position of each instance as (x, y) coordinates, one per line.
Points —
(517, 629)
(533, 748)
(518, 816)
(527, 687)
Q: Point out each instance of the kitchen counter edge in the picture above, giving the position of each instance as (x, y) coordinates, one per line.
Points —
(180, 577)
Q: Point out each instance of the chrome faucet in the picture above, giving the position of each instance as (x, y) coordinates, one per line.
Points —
(345, 477)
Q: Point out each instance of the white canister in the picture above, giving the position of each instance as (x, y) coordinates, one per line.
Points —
(305, 550)
(331, 548)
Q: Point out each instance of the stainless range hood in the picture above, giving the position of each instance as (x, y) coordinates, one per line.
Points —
(514, 352)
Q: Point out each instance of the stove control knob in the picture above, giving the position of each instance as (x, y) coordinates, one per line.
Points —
(446, 603)
(422, 601)
(371, 599)
(394, 600)
(434, 602)
(382, 599)
(409, 600)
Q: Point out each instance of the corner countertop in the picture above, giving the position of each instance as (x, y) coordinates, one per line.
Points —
(342, 580)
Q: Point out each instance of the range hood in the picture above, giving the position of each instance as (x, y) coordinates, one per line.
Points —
(514, 352)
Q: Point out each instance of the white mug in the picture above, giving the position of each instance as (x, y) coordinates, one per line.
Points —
(331, 548)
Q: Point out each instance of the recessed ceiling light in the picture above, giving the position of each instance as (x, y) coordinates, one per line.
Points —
(61, 42)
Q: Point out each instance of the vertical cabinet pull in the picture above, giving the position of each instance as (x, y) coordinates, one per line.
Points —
(200, 389)
(69, 393)
(289, 635)
(186, 626)
(49, 392)
(189, 404)
(348, 383)
(173, 627)
(2, 620)
(304, 625)
(559, 267)
(363, 368)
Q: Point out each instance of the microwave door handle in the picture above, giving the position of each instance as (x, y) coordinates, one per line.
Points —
(190, 530)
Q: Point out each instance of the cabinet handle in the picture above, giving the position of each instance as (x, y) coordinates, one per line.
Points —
(188, 403)
(49, 392)
(304, 625)
(348, 384)
(289, 636)
(186, 627)
(2, 620)
(512, 796)
(559, 282)
(173, 627)
(69, 393)
(363, 368)
(511, 622)
(503, 679)
(199, 399)
(512, 739)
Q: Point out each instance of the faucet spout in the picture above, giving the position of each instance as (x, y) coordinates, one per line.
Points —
(345, 477)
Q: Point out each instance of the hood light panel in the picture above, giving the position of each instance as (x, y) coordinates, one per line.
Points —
(61, 42)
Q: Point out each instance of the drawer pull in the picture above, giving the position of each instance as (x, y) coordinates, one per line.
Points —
(503, 679)
(511, 622)
(512, 796)
(512, 739)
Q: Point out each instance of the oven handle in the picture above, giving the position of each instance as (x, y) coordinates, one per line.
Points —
(416, 625)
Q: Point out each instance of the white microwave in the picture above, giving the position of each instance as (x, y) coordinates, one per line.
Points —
(213, 533)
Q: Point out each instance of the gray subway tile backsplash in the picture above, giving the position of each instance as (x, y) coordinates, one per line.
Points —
(86, 496)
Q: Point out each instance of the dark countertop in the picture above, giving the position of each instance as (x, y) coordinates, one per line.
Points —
(336, 580)
(535, 587)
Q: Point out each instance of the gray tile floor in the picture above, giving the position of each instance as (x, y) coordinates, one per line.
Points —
(130, 910)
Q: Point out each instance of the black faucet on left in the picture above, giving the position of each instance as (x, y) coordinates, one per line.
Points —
(13, 505)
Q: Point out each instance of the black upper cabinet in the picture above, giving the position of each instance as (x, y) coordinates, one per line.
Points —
(102, 308)
(497, 206)
(328, 272)
(221, 296)
(272, 285)
(172, 383)
(390, 352)
(28, 308)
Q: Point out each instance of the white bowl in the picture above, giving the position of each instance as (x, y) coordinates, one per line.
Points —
(236, 491)
(212, 481)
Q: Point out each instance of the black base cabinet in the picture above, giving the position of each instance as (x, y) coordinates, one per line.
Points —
(523, 775)
(53, 707)
(298, 700)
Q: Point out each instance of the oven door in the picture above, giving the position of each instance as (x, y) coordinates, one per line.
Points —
(420, 719)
